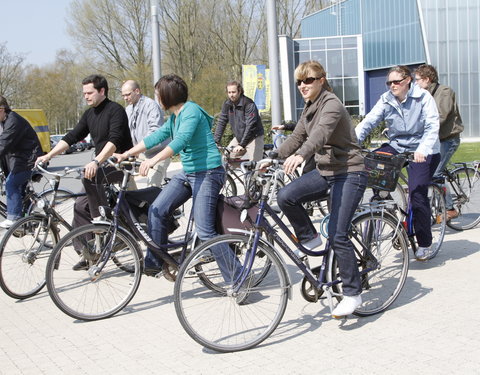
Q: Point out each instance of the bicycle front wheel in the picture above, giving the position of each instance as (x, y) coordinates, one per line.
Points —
(467, 200)
(438, 218)
(24, 253)
(90, 293)
(212, 313)
(382, 257)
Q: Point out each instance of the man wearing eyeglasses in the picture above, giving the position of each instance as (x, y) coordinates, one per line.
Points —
(144, 117)
(242, 114)
(19, 148)
(412, 120)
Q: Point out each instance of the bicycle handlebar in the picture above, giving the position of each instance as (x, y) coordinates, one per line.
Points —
(40, 167)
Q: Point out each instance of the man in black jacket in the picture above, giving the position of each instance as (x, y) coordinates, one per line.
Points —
(107, 123)
(242, 114)
(19, 147)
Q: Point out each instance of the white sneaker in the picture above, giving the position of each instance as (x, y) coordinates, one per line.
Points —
(7, 223)
(309, 245)
(423, 253)
(347, 306)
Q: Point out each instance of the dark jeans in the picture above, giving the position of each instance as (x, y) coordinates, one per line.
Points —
(86, 207)
(346, 191)
(419, 177)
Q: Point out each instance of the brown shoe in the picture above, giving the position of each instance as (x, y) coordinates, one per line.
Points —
(452, 214)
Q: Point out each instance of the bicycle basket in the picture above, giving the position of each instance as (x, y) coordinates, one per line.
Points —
(383, 170)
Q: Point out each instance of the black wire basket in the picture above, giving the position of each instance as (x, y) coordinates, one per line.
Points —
(383, 170)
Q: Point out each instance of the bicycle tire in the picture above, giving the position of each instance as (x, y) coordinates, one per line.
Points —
(229, 188)
(24, 252)
(83, 296)
(468, 205)
(386, 239)
(212, 316)
(438, 219)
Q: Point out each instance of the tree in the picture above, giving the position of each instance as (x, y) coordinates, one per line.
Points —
(11, 74)
(114, 36)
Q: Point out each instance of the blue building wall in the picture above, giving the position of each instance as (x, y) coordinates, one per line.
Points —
(391, 34)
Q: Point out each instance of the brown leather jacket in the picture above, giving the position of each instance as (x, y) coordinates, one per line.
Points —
(325, 129)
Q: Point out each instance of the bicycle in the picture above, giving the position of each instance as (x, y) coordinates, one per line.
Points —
(391, 173)
(31, 197)
(240, 314)
(111, 247)
(464, 184)
(26, 245)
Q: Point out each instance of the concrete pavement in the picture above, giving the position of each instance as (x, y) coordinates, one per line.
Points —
(432, 328)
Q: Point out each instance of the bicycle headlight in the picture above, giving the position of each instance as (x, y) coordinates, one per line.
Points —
(41, 203)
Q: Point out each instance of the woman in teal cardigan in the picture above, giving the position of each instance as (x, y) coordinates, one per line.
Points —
(189, 128)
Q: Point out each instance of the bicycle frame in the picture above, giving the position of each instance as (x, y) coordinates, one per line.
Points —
(261, 224)
(123, 211)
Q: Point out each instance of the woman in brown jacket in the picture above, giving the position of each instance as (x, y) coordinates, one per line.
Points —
(325, 131)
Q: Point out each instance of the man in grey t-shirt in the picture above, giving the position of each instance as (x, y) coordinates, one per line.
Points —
(144, 117)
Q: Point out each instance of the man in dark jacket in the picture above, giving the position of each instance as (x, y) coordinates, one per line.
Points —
(242, 114)
(19, 147)
(107, 123)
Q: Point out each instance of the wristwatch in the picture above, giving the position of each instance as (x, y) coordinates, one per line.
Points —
(97, 162)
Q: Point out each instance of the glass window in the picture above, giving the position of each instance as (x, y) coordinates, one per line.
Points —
(302, 57)
(334, 63)
(318, 43)
(350, 63)
(319, 56)
(337, 86)
(334, 43)
(349, 42)
(354, 111)
(303, 45)
(351, 91)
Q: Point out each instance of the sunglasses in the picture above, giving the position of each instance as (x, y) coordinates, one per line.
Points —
(307, 81)
(395, 82)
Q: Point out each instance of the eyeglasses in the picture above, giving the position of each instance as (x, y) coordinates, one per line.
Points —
(125, 95)
(307, 81)
(395, 82)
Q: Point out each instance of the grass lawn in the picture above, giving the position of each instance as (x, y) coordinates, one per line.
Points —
(467, 152)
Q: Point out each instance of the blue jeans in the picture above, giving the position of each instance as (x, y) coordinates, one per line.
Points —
(15, 185)
(447, 149)
(419, 177)
(346, 191)
(204, 187)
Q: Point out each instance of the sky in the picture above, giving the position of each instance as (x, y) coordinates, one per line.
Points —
(36, 28)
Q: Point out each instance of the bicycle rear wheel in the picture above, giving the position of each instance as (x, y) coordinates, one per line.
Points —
(438, 218)
(24, 253)
(84, 294)
(217, 317)
(229, 188)
(466, 202)
(387, 258)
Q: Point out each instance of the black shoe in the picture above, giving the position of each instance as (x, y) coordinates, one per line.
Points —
(153, 271)
(80, 266)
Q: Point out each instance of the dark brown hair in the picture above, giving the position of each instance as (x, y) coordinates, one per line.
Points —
(4, 104)
(235, 83)
(98, 81)
(171, 90)
(427, 71)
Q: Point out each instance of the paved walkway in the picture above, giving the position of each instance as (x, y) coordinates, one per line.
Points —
(432, 328)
